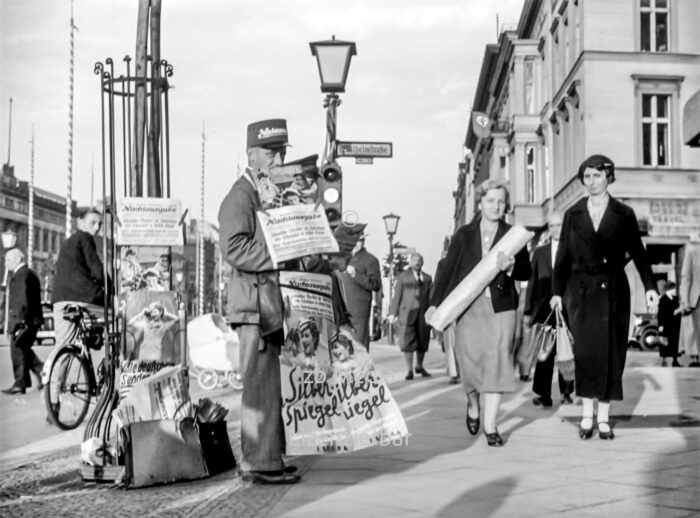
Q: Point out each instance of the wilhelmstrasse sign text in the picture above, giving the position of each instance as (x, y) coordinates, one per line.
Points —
(365, 149)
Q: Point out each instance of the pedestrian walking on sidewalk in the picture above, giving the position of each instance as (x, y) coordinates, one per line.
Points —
(590, 284)
(25, 319)
(408, 307)
(689, 291)
(669, 317)
(255, 306)
(537, 311)
(360, 280)
(485, 333)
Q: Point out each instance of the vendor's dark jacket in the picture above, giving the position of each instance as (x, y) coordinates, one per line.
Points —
(465, 253)
(244, 248)
(79, 276)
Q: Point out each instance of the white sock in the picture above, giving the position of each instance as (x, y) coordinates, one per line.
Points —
(603, 415)
(587, 420)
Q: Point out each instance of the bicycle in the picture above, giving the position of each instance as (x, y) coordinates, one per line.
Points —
(71, 381)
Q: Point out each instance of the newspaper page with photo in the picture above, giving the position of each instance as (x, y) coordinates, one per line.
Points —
(333, 399)
(295, 231)
(152, 338)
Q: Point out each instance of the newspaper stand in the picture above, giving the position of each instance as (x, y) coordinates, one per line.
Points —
(118, 456)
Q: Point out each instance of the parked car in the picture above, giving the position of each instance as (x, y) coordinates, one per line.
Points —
(46, 333)
(646, 332)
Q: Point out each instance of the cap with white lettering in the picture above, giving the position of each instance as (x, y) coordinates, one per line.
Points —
(271, 133)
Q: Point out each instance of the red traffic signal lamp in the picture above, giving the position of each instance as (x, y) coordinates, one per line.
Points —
(330, 192)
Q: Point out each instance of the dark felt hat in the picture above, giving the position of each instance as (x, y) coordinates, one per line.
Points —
(271, 133)
(597, 162)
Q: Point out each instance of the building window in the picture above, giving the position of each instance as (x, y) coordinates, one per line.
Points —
(656, 123)
(529, 86)
(530, 173)
(654, 25)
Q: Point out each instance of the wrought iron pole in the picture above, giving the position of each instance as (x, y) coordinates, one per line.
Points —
(200, 231)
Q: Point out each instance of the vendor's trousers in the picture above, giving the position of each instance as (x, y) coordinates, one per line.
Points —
(262, 432)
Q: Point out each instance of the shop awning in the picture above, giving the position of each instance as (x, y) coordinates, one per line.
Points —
(691, 121)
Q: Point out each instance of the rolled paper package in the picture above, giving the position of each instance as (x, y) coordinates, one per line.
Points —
(467, 291)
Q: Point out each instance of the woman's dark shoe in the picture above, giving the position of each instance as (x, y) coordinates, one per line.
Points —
(585, 433)
(472, 423)
(14, 389)
(607, 433)
(493, 439)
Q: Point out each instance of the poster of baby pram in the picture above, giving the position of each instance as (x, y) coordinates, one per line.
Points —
(333, 399)
(152, 336)
(295, 231)
(149, 221)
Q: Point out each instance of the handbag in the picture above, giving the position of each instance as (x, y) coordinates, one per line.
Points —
(270, 304)
(565, 351)
(538, 343)
(548, 339)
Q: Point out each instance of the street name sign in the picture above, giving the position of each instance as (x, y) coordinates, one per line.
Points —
(364, 160)
(365, 149)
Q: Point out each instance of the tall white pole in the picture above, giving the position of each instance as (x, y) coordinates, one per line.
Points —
(92, 183)
(200, 230)
(9, 135)
(69, 192)
(30, 231)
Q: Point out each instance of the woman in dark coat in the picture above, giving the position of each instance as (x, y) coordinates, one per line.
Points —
(589, 276)
(485, 332)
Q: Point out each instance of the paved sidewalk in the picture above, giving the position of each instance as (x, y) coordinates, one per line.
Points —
(651, 469)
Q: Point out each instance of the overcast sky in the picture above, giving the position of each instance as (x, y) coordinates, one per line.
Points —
(238, 61)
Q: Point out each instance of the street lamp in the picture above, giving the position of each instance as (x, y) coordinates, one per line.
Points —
(391, 224)
(333, 59)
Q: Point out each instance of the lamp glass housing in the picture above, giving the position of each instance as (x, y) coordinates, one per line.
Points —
(391, 223)
(333, 59)
(9, 239)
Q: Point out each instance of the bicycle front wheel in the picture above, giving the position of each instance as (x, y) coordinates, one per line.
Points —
(68, 392)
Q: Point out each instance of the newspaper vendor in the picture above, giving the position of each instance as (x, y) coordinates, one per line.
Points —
(254, 284)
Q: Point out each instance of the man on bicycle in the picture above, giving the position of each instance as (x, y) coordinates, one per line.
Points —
(79, 277)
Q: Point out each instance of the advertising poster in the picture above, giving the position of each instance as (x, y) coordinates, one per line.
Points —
(145, 268)
(295, 231)
(149, 221)
(333, 399)
(152, 327)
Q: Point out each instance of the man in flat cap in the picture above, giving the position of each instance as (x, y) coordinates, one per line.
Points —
(255, 306)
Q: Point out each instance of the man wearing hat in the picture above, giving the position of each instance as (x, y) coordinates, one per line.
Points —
(255, 306)
(360, 279)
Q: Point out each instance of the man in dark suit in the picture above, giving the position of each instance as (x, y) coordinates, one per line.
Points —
(360, 279)
(25, 318)
(408, 306)
(537, 310)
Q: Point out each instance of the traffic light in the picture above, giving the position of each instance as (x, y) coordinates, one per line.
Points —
(330, 191)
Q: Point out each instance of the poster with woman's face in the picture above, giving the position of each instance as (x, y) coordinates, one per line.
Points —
(152, 327)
